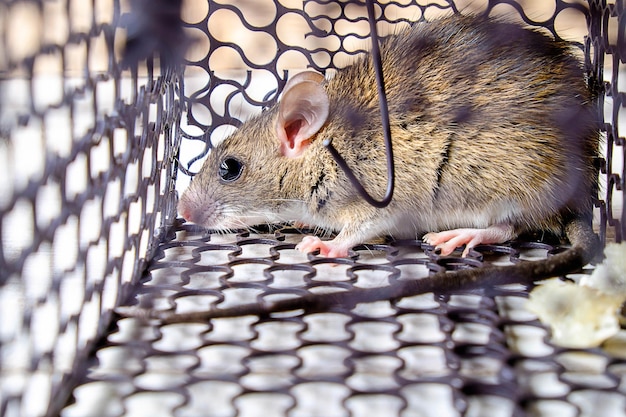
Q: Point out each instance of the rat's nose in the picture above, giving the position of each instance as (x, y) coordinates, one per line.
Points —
(184, 210)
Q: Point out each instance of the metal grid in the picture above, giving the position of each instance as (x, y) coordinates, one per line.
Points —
(86, 148)
(473, 353)
(608, 43)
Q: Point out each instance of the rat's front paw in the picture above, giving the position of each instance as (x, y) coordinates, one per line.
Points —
(328, 249)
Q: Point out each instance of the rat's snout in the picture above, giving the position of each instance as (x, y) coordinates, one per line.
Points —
(189, 210)
(184, 210)
(196, 208)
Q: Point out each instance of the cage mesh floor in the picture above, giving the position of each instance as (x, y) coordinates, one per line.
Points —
(471, 353)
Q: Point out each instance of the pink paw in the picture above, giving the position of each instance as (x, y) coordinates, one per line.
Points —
(328, 249)
(449, 240)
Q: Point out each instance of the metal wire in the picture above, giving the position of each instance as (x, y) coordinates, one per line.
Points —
(384, 116)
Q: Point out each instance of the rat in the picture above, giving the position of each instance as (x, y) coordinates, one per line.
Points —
(494, 134)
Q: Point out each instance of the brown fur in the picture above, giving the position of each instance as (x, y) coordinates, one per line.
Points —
(486, 118)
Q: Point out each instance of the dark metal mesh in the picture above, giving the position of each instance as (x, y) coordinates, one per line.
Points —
(476, 353)
(607, 46)
(86, 151)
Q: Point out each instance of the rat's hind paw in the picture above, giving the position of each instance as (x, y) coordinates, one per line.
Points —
(328, 249)
(449, 240)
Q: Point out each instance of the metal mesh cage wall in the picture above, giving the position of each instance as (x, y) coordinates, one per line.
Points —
(244, 52)
(86, 148)
(606, 43)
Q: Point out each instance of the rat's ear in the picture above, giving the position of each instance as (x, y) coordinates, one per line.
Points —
(302, 112)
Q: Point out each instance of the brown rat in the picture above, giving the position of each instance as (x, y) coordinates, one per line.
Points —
(493, 129)
(494, 134)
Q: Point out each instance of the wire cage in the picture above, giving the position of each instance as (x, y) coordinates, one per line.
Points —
(108, 107)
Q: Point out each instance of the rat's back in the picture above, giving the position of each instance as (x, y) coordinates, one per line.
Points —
(492, 126)
(496, 119)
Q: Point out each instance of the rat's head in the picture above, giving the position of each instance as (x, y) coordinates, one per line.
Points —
(257, 175)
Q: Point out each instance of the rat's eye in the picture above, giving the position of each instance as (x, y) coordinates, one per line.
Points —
(230, 169)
